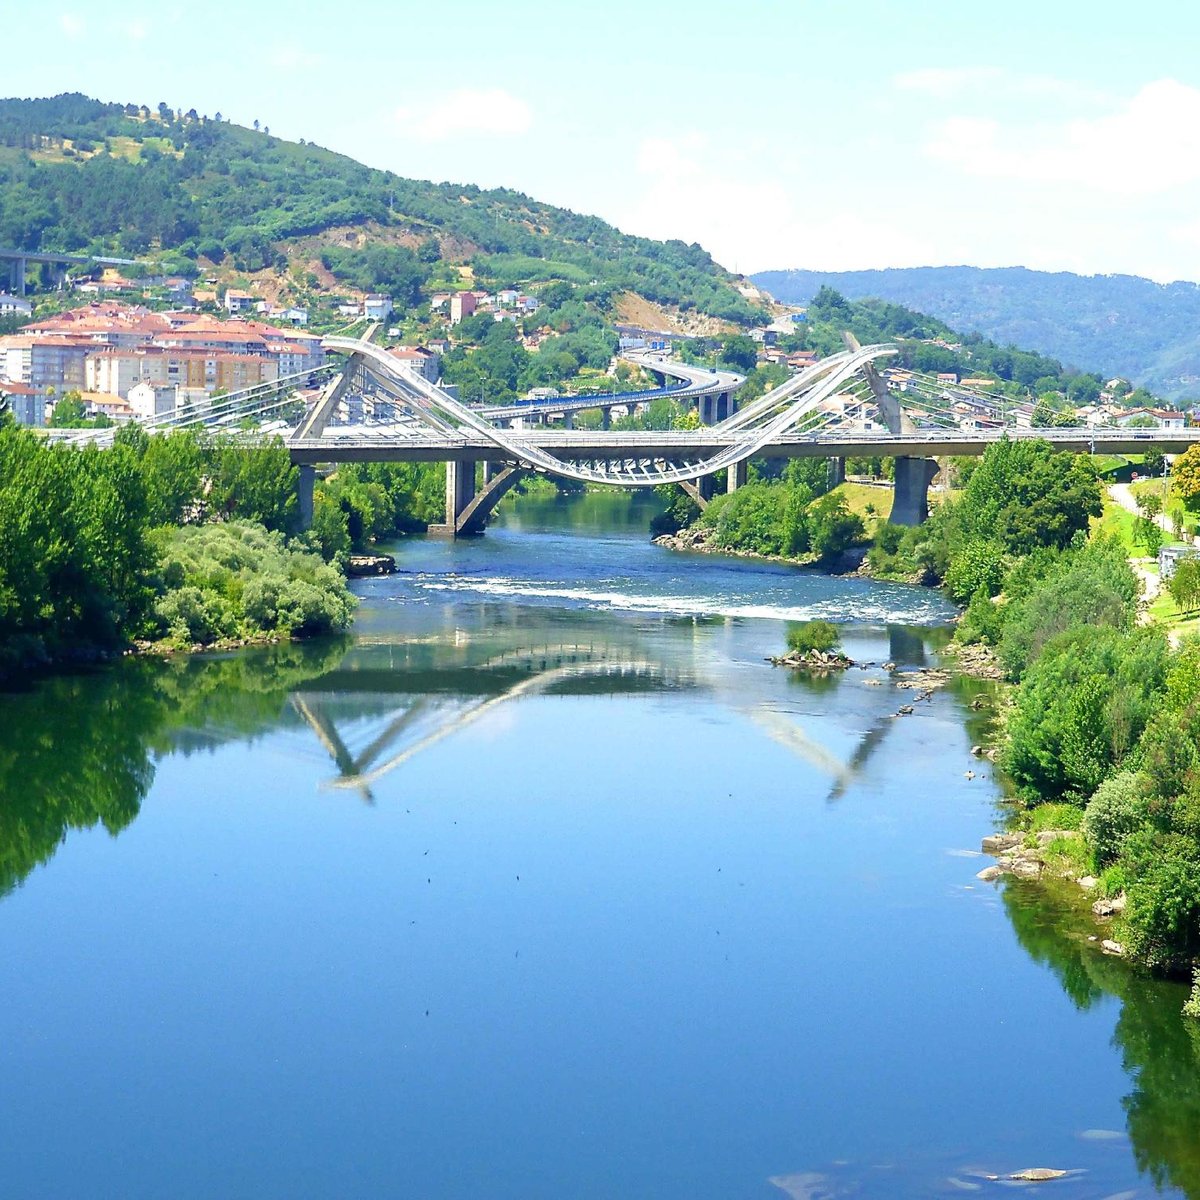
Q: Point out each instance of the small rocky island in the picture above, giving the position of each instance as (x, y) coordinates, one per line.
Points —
(362, 566)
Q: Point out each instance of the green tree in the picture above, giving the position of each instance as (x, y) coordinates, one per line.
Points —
(821, 636)
(740, 352)
(833, 528)
(1185, 474)
(68, 412)
(1184, 584)
(1080, 710)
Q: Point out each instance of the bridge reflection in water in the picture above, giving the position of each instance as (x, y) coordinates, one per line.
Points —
(392, 698)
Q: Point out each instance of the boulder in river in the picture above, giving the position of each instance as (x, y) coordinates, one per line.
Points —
(364, 565)
(998, 843)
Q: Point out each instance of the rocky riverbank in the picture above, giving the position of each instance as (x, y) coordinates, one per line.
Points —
(697, 540)
(978, 661)
(1033, 856)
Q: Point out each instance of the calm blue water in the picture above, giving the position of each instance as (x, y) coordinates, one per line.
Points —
(547, 885)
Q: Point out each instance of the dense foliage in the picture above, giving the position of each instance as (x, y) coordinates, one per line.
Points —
(1020, 499)
(787, 515)
(497, 367)
(1123, 325)
(368, 502)
(81, 563)
(237, 580)
(809, 636)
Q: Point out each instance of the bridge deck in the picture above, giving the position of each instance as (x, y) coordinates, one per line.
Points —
(377, 444)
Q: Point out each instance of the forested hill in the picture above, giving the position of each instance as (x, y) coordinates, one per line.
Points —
(77, 174)
(1117, 324)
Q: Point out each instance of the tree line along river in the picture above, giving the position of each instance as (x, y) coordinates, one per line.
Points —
(543, 882)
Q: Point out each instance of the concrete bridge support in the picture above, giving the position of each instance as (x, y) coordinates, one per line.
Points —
(467, 511)
(836, 472)
(460, 491)
(706, 487)
(910, 500)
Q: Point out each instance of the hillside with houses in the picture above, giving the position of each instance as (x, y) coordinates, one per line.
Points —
(188, 198)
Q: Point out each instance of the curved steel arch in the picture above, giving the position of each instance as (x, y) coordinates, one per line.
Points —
(749, 431)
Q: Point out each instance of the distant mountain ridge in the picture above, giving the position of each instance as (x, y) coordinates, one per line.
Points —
(1123, 325)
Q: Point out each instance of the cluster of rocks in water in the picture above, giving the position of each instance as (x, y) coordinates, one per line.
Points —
(818, 660)
(691, 538)
(363, 566)
(924, 681)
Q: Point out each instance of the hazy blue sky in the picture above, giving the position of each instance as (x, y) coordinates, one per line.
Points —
(1058, 134)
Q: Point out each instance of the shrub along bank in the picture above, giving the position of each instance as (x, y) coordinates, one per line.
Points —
(94, 553)
(791, 514)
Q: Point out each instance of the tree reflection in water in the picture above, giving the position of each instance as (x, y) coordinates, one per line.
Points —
(1160, 1048)
(78, 750)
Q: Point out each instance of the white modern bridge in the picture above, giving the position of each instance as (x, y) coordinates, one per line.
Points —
(373, 408)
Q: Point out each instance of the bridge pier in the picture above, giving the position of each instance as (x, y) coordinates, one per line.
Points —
(910, 500)
(470, 518)
(606, 418)
(737, 475)
(835, 472)
(305, 482)
(460, 491)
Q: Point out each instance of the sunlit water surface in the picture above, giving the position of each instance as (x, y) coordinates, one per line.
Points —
(546, 884)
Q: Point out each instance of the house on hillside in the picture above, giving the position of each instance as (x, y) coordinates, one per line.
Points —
(1170, 556)
(377, 307)
(149, 400)
(424, 363)
(1158, 418)
(1022, 415)
(462, 306)
(14, 306)
(236, 302)
(101, 404)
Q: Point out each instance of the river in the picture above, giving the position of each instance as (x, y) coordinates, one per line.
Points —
(544, 883)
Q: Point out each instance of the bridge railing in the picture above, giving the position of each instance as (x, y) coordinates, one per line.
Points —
(228, 411)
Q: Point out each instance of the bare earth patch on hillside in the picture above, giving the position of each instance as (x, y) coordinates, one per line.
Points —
(632, 309)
